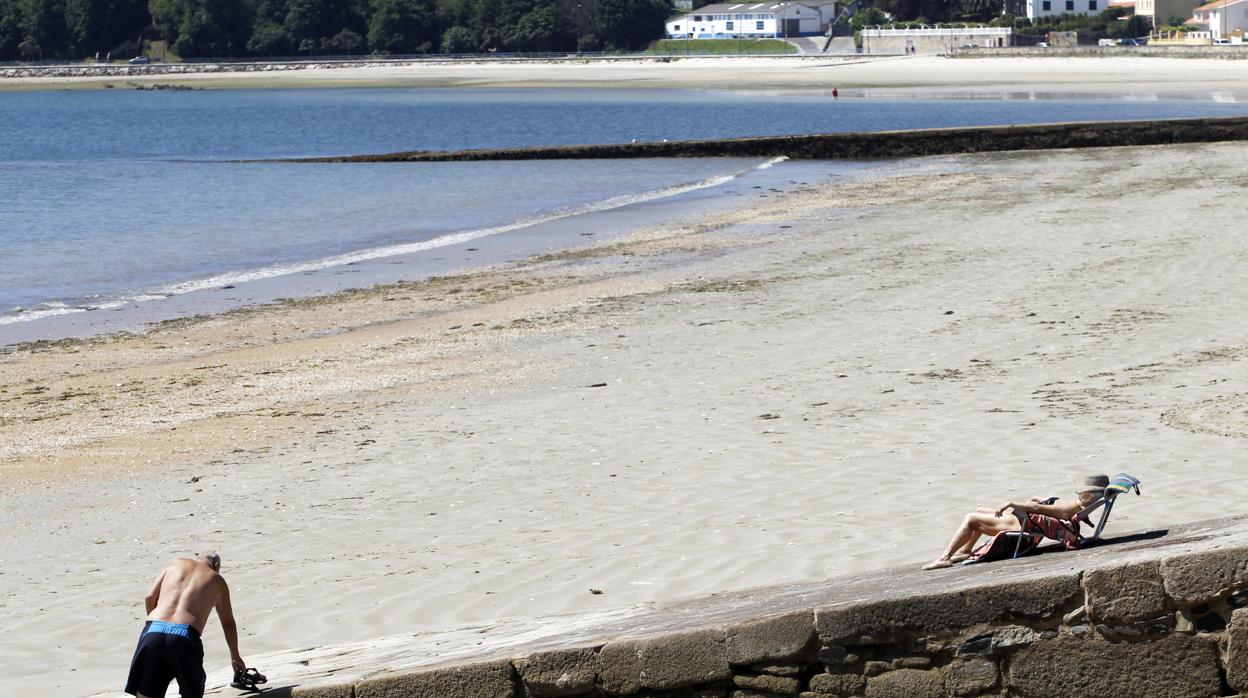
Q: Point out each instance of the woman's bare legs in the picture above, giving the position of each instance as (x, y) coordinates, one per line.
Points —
(973, 526)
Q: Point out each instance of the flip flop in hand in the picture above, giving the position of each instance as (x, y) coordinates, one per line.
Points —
(248, 679)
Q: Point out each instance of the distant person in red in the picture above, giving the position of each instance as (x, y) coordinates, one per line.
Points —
(835, 94)
(178, 606)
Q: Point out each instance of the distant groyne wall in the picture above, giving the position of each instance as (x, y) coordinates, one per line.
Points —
(1152, 614)
(857, 146)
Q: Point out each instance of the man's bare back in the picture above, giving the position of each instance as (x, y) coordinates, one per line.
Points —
(186, 592)
(178, 606)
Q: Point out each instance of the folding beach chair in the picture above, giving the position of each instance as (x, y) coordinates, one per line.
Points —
(1119, 484)
(1024, 542)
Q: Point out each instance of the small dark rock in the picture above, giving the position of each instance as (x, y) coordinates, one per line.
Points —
(832, 654)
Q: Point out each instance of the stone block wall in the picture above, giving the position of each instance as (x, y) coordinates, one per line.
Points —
(937, 44)
(1164, 627)
(1223, 52)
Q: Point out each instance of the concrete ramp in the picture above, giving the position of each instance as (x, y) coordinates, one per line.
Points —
(808, 45)
(840, 45)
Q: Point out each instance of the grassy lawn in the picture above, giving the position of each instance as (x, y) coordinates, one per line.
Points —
(719, 46)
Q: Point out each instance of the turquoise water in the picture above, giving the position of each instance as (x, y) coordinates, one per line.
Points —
(112, 197)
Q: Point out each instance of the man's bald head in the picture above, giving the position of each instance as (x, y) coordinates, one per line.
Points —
(210, 558)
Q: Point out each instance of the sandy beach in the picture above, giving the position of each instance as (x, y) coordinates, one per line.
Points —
(846, 368)
(876, 77)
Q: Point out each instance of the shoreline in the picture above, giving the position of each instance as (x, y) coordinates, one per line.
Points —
(632, 415)
(314, 319)
(453, 253)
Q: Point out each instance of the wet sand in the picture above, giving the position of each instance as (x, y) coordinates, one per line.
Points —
(808, 385)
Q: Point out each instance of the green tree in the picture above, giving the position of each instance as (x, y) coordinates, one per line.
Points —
(96, 26)
(539, 30)
(44, 34)
(10, 30)
(269, 39)
(85, 22)
(312, 23)
(346, 42)
(904, 10)
(166, 18)
(458, 40)
(402, 26)
(981, 10)
(210, 28)
(867, 17)
(456, 13)
(630, 24)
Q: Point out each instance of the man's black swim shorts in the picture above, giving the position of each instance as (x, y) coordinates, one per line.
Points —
(167, 651)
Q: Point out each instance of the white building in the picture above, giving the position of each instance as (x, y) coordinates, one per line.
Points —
(1223, 18)
(752, 21)
(1160, 12)
(1035, 9)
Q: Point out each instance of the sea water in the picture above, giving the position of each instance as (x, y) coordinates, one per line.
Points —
(112, 198)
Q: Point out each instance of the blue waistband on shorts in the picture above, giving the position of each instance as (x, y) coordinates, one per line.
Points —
(180, 629)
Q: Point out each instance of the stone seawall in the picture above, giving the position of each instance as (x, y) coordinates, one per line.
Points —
(1159, 613)
(859, 146)
(1226, 52)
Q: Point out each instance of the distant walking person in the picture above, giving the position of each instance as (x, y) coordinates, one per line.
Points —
(835, 94)
(178, 607)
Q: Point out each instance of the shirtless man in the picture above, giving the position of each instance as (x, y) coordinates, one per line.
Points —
(178, 607)
(990, 522)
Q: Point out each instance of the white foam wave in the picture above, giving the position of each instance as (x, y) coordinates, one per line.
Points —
(26, 315)
(243, 276)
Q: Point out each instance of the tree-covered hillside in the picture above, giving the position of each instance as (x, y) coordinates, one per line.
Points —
(74, 29)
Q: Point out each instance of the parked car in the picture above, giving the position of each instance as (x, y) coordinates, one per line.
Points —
(1042, 44)
(1108, 42)
(1133, 42)
(140, 60)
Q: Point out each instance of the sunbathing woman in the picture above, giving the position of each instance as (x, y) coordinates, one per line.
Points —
(1052, 518)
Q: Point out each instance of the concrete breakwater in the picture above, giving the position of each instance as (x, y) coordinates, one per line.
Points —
(858, 146)
(1153, 613)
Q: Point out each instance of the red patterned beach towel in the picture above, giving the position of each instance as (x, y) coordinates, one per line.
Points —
(1035, 528)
